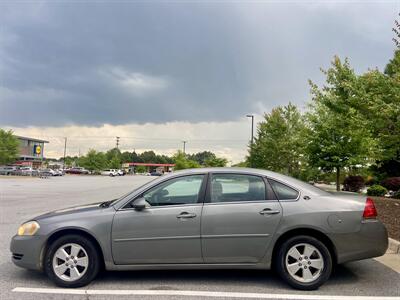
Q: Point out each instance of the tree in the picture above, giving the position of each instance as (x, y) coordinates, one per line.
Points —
(279, 142)
(242, 164)
(140, 169)
(126, 157)
(215, 162)
(114, 152)
(182, 162)
(136, 157)
(208, 159)
(8, 147)
(113, 157)
(337, 134)
(69, 160)
(148, 156)
(114, 163)
(393, 67)
(94, 161)
(201, 157)
(381, 111)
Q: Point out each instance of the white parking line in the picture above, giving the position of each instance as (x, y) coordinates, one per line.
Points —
(197, 293)
(390, 260)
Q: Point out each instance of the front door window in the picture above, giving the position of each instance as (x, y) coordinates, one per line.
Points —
(177, 191)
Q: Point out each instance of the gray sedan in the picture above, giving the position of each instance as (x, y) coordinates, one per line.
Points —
(206, 219)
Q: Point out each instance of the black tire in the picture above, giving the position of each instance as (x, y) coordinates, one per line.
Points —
(93, 267)
(287, 277)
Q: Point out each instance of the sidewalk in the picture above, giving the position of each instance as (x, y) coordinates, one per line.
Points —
(392, 257)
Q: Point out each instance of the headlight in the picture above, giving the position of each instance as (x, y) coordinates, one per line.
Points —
(28, 228)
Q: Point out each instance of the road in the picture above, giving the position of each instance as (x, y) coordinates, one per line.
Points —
(22, 198)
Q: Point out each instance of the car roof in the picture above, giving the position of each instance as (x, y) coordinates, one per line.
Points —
(234, 170)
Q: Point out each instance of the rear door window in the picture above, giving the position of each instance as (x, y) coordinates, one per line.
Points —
(236, 188)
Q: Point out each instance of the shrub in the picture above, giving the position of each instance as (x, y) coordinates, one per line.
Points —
(392, 183)
(396, 195)
(353, 183)
(376, 190)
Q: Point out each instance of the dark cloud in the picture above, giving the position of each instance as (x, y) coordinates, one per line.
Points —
(117, 63)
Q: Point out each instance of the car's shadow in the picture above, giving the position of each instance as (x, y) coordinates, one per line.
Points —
(235, 280)
(190, 279)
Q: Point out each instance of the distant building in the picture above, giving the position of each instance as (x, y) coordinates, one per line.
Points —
(31, 152)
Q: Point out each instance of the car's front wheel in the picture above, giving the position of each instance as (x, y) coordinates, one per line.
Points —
(304, 262)
(72, 261)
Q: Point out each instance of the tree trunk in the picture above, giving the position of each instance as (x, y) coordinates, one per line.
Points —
(338, 179)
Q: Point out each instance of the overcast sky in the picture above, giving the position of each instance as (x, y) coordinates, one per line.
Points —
(158, 73)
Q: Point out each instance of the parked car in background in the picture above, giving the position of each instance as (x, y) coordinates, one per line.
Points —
(25, 171)
(60, 172)
(47, 172)
(109, 172)
(206, 218)
(155, 173)
(7, 170)
(121, 172)
(77, 170)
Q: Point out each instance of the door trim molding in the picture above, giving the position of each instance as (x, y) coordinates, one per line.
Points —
(210, 236)
(155, 238)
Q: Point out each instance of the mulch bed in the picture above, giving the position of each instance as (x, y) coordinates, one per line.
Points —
(389, 214)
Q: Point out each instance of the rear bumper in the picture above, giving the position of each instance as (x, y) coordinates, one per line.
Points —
(370, 241)
(27, 251)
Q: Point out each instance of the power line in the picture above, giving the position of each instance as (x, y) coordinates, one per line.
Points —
(146, 138)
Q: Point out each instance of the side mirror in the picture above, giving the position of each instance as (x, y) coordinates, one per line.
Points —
(139, 204)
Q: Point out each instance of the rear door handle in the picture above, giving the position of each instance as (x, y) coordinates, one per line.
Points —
(268, 211)
(186, 215)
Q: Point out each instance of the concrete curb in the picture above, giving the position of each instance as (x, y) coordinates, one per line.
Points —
(394, 246)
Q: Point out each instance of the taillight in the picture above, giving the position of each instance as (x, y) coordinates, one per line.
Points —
(370, 210)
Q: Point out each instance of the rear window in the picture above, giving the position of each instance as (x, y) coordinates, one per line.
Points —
(282, 191)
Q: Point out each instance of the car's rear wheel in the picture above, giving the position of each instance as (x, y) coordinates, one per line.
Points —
(72, 261)
(304, 262)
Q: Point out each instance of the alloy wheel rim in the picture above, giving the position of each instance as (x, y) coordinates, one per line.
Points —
(70, 262)
(304, 262)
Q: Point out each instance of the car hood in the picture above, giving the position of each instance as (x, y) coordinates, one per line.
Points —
(73, 210)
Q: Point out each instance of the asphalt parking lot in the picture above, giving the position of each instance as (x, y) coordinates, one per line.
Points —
(22, 198)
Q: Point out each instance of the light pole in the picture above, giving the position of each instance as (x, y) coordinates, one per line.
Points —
(252, 127)
(65, 151)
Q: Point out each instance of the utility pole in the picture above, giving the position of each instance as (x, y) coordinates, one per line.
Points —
(65, 151)
(117, 142)
(252, 133)
(184, 146)
(252, 127)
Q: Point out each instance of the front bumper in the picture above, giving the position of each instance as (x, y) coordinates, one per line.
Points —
(370, 241)
(27, 251)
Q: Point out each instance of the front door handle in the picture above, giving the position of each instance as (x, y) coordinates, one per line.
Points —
(268, 211)
(186, 215)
